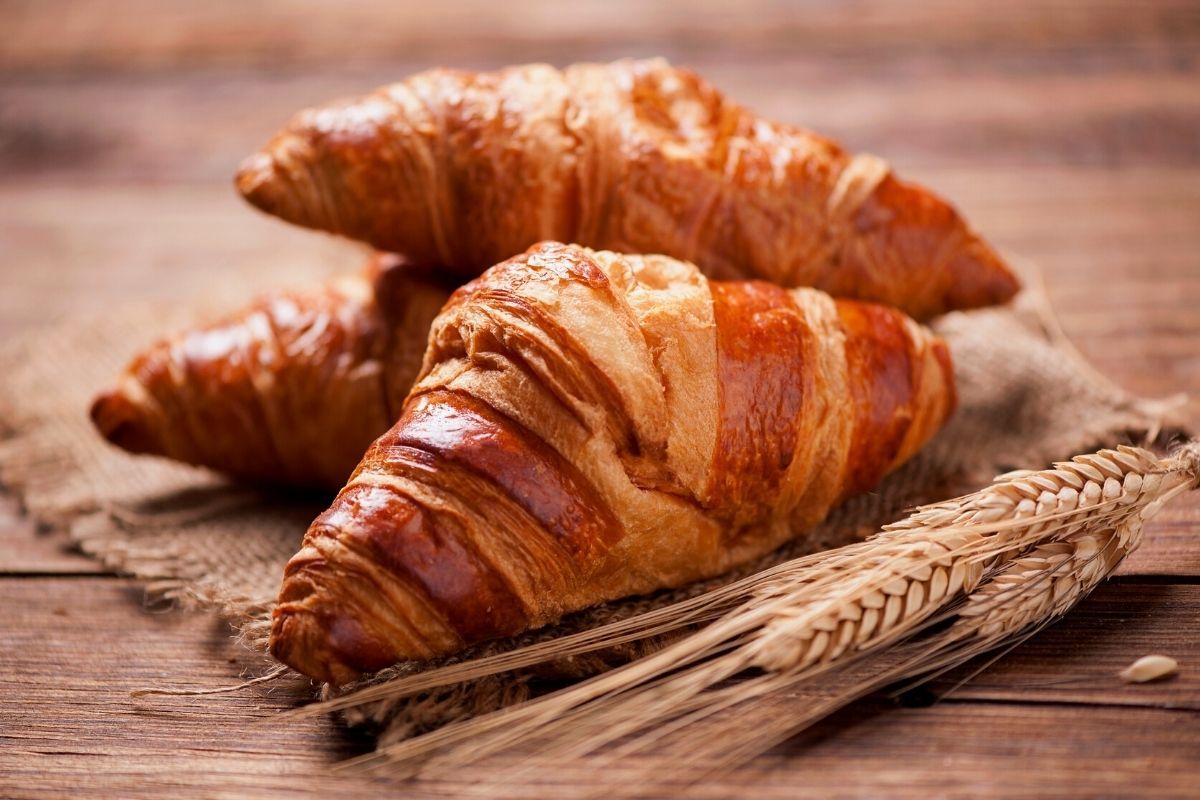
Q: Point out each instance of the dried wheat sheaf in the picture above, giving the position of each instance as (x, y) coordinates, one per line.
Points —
(924, 595)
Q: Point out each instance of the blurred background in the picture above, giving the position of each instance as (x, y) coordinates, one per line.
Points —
(1069, 132)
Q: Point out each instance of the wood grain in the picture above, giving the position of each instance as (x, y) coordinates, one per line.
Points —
(1170, 547)
(1068, 132)
(144, 34)
(197, 125)
(70, 722)
(1077, 659)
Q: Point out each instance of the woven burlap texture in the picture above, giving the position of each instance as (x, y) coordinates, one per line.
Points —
(1026, 398)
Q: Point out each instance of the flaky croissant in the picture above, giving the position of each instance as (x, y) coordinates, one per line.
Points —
(589, 426)
(289, 391)
(463, 169)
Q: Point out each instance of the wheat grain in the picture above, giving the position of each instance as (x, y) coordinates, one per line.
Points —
(1149, 668)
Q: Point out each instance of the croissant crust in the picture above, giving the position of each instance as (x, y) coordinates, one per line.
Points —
(588, 426)
(463, 169)
(288, 391)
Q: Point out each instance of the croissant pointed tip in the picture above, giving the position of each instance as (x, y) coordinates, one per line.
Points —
(320, 637)
(120, 421)
(257, 180)
(982, 278)
(298, 640)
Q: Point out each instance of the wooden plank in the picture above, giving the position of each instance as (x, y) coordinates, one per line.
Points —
(71, 650)
(975, 750)
(984, 750)
(1118, 258)
(1066, 131)
(1077, 659)
(1170, 547)
(143, 34)
(198, 125)
(70, 653)
(83, 249)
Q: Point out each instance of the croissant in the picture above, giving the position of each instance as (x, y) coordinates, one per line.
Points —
(587, 426)
(463, 169)
(290, 390)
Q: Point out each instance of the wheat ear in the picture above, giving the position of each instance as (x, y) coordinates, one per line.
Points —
(983, 568)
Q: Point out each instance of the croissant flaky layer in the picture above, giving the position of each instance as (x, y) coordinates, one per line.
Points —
(463, 169)
(289, 391)
(588, 426)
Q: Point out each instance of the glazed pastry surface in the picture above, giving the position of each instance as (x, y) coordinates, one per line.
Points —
(587, 426)
(463, 169)
(290, 390)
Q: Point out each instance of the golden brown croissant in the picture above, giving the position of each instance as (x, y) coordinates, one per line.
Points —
(463, 169)
(289, 391)
(589, 426)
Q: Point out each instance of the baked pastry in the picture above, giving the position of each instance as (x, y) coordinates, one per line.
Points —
(464, 169)
(587, 426)
(288, 391)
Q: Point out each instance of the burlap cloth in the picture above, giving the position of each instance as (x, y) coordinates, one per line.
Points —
(1026, 398)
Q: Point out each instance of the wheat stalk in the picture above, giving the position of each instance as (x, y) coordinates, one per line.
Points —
(955, 541)
(983, 568)
(1016, 601)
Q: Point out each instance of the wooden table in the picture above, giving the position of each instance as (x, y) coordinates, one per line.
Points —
(1068, 132)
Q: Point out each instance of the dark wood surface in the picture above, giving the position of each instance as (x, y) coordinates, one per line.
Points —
(1068, 132)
